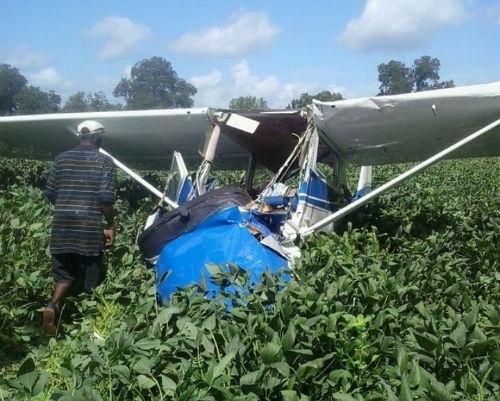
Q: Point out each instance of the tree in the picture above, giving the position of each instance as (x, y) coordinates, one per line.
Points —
(81, 102)
(99, 102)
(247, 103)
(426, 74)
(396, 78)
(153, 84)
(11, 83)
(76, 103)
(306, 99)
(32, 100)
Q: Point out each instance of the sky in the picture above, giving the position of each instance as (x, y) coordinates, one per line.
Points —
(276, 50)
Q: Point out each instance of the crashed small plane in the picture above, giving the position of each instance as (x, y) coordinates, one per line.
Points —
(307, 151)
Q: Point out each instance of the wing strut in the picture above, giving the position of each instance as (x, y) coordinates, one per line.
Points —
(141, 180)
(303, 232)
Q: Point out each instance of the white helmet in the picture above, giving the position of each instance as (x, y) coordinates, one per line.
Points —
(90, 127)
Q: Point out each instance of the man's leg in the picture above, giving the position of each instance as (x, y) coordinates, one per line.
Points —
(52, 308)
(60, 289)
(94, 271)
(61, 270)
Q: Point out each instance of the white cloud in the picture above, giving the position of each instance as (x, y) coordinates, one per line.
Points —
(216, 90)
(48, 78)
(209, 80)
(390, 25)
(128, 71)
(23, 57)
(120, 35)
(246, 82)
(333, 88)
(491, 11)
(240, 34)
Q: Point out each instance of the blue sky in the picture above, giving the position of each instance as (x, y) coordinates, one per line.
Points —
(271, 49)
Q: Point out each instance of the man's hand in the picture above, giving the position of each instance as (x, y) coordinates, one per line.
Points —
(109, 236)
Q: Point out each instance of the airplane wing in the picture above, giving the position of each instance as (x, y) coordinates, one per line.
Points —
(147, 139)
(366, 131)
(410, 127)
(144, 138)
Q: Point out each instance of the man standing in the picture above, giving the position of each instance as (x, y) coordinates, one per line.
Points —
(81, 186)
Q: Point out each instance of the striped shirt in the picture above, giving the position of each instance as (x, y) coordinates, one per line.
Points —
(79, 181)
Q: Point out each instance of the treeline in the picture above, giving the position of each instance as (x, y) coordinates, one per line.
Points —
(154, 84)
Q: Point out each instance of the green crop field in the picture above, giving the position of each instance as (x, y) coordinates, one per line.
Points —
(402, 304)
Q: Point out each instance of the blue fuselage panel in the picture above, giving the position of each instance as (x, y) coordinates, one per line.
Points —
(221, 238)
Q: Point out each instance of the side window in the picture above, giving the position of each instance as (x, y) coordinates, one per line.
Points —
(178, 181)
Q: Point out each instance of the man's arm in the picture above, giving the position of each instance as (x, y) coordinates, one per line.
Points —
(50, 190)
(109, 231)
(106, 198)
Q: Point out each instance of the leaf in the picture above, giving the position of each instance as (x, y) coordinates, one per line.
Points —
(421, 309)
(307, 369)
(219, 369)
(203, 283)
(450, 386)
(35, 226)
(66, 369)
(187, 394)
(83, 393)
(250, 378)
(147, 344)
(287, 308)
(493, 315)
(208, 345)
(166, 314)
(301, 351)
(390, 394)
(269, 353)
(209, 323)
(458, 335)
(402, 359)
(27, 366)
(27, 375)
(4, 394)
(343, 397)
(283, 368)
(122, 371)
(426, 340)
(94, 353)
(288, 339)
(235, 269)
(28, 380)
(439, 391)
(496, 372)
(40, 383)
(143, 365)
(289, 395)
(337, 374)
(414, 377)
(168, 384)
(145, 382)
(478, 335)
(378, 320)
(404, 389)
(470, 318)
(213, 269)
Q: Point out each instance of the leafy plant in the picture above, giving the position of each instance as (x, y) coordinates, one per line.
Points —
(401, 304)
